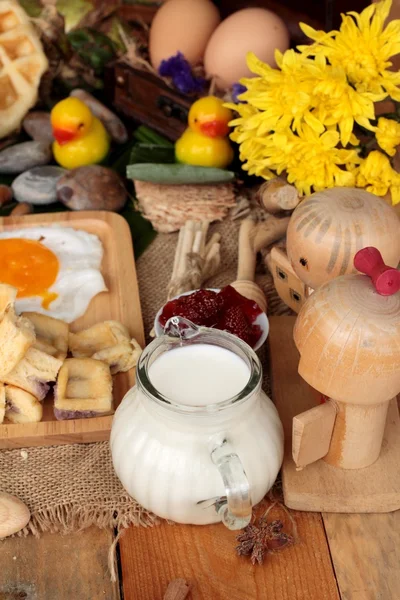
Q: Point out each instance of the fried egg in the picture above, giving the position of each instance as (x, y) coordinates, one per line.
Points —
(56, 270)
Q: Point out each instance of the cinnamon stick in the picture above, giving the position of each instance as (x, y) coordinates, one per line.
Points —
(178, 589)
(195, 259)
(277, 195)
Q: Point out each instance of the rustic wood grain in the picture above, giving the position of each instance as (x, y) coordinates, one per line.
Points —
(121, 303)
(320, 486)
(366, 554)
(56, 567)
(205, 557)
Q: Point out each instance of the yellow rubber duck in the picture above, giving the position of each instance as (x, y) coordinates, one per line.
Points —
(80, 138)
(204, 143)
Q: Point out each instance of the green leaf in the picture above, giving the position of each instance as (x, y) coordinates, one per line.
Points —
(152, 153)
(93, 47)
(73, 11)
(32, 7)
(149, 136)
(142, 231)
(178, 174)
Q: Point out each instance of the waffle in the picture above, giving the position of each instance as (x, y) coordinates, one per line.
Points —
(22, 63)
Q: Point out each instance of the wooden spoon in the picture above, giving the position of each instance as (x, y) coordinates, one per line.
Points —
(245, 283)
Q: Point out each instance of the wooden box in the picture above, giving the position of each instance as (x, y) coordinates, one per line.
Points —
(145, 98)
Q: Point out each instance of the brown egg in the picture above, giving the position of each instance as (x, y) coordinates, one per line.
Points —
(182, 26)
(249, 30)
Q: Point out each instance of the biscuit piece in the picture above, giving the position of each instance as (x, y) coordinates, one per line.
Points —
(84, 389)
(17, 335)
(51, 334)
(109, 342)
(34, 373)
(8, 295)
(21, 406)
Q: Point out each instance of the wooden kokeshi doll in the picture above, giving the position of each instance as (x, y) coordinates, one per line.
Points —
(348, 336)
(325, 232)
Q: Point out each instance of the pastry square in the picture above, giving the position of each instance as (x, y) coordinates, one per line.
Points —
(34, 373)
(109, 342)
(51, 334)
(84, 389)
(17, 335)
(21, 406)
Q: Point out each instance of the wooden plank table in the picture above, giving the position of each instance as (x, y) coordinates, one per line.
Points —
(337, 556)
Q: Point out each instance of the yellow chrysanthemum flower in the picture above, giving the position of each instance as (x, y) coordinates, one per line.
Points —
(251, 146)
(315, 162)
(388, 135)
(283, 96)
(362, 48)
(395, 188)
(336, 102)
(375, 174)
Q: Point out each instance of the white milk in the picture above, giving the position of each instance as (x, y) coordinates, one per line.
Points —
(163, 456)
(199, 374)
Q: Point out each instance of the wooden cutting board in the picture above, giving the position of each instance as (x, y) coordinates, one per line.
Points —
(120, 303)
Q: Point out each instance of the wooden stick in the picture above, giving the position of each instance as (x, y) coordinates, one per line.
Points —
(178, 252)
(178, 589)
(212, 264)
(215, 238)
(267, 232)
(247, 254)
(212, 253)
(198, 242)
(277, 195)
(187, 244)
(204, 229)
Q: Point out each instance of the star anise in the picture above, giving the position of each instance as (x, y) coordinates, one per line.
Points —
(261, 539)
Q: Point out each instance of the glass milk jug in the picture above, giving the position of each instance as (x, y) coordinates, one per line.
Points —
(186, 443)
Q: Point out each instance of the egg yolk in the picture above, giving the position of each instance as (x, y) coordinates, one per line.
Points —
(30, 267)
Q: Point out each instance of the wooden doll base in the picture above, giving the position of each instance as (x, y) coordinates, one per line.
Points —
(320, 486)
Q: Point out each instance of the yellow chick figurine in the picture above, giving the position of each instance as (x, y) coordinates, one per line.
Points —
(204, 143)
(80, 138)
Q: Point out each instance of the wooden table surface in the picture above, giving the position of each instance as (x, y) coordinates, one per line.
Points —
(337, 556)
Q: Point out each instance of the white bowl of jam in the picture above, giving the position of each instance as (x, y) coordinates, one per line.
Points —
(223, 309)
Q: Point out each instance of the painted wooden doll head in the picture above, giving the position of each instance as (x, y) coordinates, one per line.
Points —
(327, 229)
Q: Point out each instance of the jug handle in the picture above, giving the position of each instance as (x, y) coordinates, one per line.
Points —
(237, 512)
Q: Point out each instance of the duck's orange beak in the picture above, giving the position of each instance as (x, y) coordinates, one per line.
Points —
(63, 136)
(214, 128)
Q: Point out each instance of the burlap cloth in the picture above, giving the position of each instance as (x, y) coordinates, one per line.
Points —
(68, 488)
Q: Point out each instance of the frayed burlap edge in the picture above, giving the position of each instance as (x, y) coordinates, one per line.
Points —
(69, 518)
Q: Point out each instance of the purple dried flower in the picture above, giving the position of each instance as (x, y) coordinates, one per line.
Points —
(237, 89)
(180, 71)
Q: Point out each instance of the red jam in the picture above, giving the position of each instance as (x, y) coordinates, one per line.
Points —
(227, 310)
